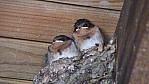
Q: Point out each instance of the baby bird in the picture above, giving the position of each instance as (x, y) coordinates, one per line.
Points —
(62, 46)
(87, 35)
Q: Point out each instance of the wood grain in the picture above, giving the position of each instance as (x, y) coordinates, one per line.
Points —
(110, 4)
(21, 59)
(42, 21)
(130, 33)
(140, 72)
(14, 81)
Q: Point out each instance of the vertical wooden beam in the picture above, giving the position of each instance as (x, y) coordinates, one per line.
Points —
(129, 32)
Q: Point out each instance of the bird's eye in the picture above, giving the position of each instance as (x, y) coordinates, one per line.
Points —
(54, 40)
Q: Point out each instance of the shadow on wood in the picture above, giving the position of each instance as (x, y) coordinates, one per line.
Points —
(130, 30)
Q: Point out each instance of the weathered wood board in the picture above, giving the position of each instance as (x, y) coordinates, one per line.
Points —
(140, 72)
(110, 4)
(133, 43)
(21, 59)
(42, 21)
(14, 81)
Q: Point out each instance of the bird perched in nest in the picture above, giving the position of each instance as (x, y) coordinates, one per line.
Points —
(87, 35)
(62, 46)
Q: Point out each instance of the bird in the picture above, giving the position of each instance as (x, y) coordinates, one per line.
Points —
(62, 46)
(87, 35)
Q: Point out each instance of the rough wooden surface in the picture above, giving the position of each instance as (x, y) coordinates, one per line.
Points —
(42, 21)
(140, 72)
(130, 30)
(21, 59)
(14, 81)
(110, 4)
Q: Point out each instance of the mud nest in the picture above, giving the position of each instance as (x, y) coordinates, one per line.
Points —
(90, 67)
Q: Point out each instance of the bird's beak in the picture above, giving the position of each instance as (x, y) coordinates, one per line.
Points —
(77, 29)
(84, 27)
(58, 41)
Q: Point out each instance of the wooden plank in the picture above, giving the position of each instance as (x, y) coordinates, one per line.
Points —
(129, 32)
(42, 21)
(140, 72)
(14, 81)
(110, 4)
(21, 59)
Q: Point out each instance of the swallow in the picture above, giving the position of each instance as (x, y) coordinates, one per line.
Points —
(62, 46)
(87, 35)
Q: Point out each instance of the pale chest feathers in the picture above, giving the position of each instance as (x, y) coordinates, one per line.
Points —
(90, 42)
(69, 52)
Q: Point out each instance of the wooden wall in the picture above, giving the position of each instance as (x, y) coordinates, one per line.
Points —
(140, 72)
(132, 63)
(28, 26)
